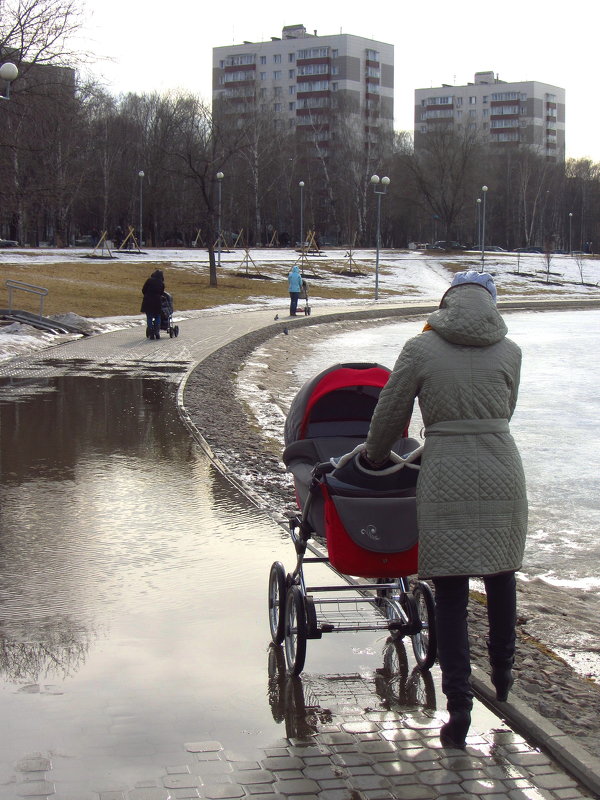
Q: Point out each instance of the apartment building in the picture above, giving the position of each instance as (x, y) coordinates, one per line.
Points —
(523, 113)
(305, 78)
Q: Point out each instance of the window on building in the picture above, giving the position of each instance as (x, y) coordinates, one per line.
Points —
(486, 112)
(291, 90)
(262, 92)
(423, 128)
(372, 55)
(263, 59)
(472, 100)
(334, 86)
(263, 76)
(277, 106)
(292, 106)
(484, 99)
(314, 52)
(335, 70)
(459, 114)
(277, 58)
(335, 53)
(277, 91)
(277, 75)
(291, 57)
(458, 101)
(291, 74)
(472, 112)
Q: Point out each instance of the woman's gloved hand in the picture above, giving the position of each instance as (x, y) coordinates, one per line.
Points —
(373, 465)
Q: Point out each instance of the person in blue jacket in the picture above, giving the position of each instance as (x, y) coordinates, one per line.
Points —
(294, 287)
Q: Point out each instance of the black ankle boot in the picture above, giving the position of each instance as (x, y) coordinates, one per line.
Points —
(503, 679)
(454, 732)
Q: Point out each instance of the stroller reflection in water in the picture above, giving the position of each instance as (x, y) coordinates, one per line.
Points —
(309, 704)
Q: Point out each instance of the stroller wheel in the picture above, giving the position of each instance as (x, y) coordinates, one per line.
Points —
(307, 311)
(295, 631)
(171, 333)
(277, 593)
(424, 643)
(176, 330)
(148, 332)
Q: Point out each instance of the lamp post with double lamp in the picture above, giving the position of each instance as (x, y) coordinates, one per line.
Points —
(570, 230)
(220, 177)
(141, 177)
(484, 190)
(8, 73)
(302, 237)
(385, 182)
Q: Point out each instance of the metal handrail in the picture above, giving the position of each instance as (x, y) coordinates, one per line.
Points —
(26, 287)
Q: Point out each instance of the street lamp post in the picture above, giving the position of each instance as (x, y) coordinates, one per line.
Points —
(302, 254)
(478, 203)
(570, 229)
(8, 73)
(141, 177)
(220, 177)
(385, 182)
(484, 190)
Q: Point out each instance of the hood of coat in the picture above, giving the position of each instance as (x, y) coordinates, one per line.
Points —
(468, 316)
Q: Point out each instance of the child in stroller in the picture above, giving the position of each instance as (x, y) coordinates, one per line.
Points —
(166, 315)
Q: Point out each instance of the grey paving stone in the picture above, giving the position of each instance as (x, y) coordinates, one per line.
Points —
(35, 789)
(215, 766)
(438, 777)
(359, 727)
(414, 791)
(321, 773)
(388, 768)
(185, 794)
(178, 769)
(112, 795)
(351, 759)
(335, 738)
(378, 794)
(556, 780)
(247, 777)
(289, 774)
(259, 788)
(226, 791)
(203, 747)
(528, 759)
(484, 787)
(377, 746)
(149, 794)
(34, 764)
(302, 786)
(419, 754)
(363, 782)
(530, 794)
(181, 782)
(336, 794)
(399, 735)
(280, 763)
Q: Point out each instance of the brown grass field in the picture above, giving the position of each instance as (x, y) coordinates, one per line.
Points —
(104, 288)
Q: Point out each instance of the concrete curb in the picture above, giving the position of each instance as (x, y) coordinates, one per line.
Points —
(564, 749)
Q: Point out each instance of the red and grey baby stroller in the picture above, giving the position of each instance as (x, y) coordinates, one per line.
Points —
(362, 523)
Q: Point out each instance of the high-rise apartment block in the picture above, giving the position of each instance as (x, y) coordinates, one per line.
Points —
(304, 80)
(526, 113)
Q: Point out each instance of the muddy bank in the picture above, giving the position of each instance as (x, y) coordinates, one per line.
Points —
(246, 438)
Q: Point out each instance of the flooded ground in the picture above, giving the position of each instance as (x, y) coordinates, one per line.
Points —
(133, 590)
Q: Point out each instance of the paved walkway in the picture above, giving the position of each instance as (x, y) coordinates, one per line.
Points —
(337, 746)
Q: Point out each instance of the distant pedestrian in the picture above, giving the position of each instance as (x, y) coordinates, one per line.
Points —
(295, 287)
(151, 304)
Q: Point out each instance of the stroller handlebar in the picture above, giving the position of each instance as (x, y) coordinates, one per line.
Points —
(398, 462)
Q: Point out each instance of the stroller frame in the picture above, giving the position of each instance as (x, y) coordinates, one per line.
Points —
(298, 611)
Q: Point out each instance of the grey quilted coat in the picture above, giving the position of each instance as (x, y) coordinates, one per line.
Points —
(471, 497)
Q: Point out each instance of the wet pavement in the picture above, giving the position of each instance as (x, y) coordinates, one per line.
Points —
(135, 659)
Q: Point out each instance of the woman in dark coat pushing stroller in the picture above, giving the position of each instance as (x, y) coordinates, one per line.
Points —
(151, 304)
(471, 499)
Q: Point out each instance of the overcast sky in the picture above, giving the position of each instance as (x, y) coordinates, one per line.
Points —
(169, 46)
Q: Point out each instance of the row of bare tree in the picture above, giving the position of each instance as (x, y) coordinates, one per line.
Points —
(71, 156)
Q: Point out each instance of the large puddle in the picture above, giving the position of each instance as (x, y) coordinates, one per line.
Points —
(133, 587)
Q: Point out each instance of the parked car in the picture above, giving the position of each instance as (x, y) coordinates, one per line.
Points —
(448, 245)
(8, 243)
(528, 250)
(494, 248)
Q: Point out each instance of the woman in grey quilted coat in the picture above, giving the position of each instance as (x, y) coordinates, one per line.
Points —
(471, 497)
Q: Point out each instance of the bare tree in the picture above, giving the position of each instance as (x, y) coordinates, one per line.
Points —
(38, 31)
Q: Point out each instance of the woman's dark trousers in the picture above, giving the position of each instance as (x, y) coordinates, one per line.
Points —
(451, 600)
